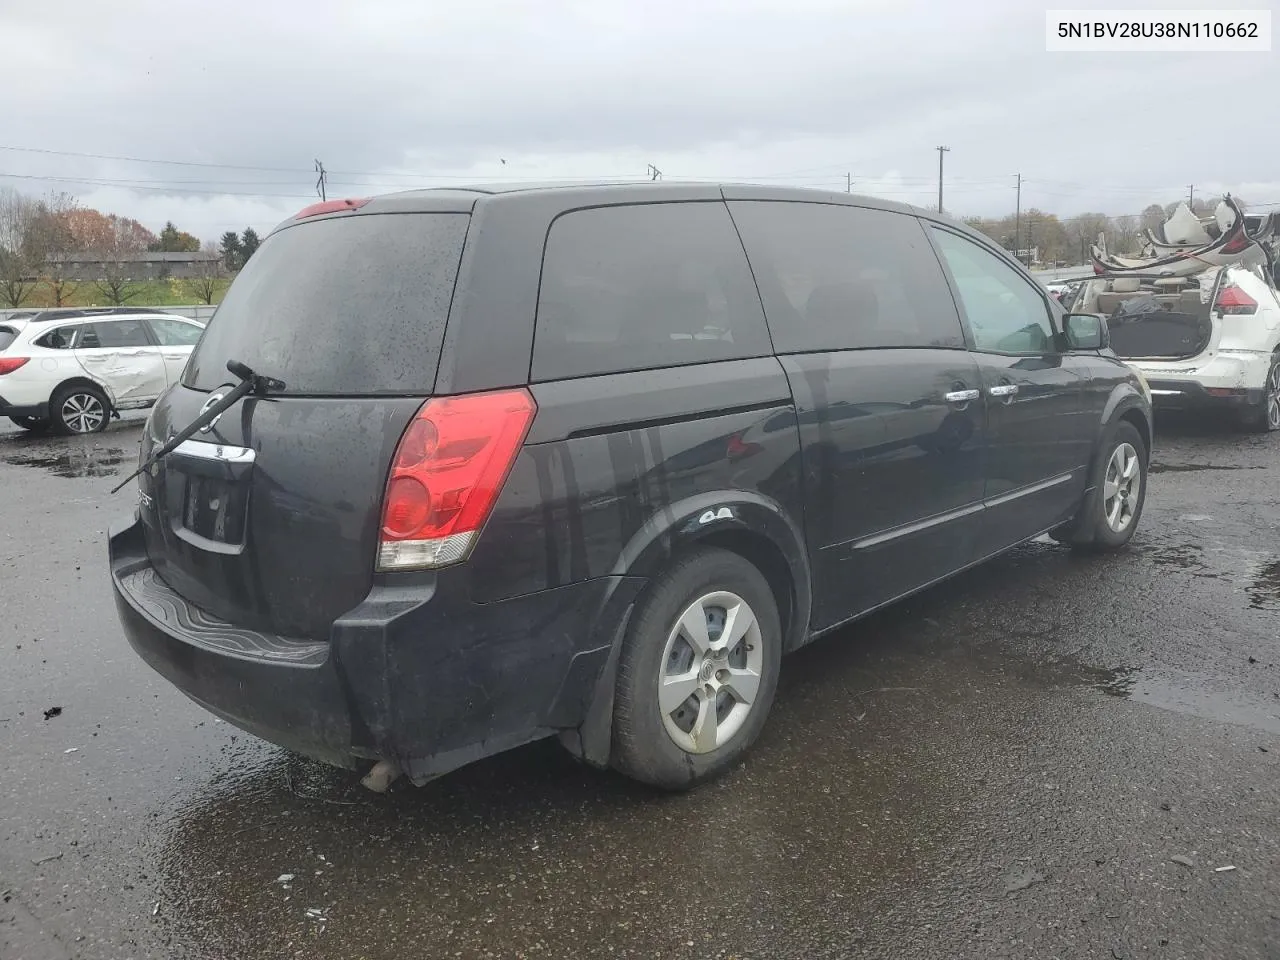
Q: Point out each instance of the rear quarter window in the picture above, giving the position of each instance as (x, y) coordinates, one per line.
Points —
(643, 286)
(339, 307)
(59, 338)
(837, 277)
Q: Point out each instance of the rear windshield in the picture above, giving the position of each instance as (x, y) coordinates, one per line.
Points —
(348, 305)
(7, 336)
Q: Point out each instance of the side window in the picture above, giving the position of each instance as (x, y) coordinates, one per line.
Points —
(115, 334)
(59, 338)
(838, 278)
(1006, 313)
(643, 286)
(174, 333)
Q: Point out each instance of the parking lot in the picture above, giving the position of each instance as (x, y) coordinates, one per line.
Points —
(1050, 756)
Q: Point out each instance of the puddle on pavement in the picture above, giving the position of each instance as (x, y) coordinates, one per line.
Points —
(75, 462)
(1188, 695)
(1194, 467)
(1264, 590)
(1189, 558)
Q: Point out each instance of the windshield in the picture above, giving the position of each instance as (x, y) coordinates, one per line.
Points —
(343, 306)
(7, 336)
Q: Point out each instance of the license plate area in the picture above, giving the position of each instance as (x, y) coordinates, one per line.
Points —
(213, 510)
(209, 499)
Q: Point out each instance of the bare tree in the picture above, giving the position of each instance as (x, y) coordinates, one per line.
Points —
(117, 245)
(209, 276)
(50, 243)
(1126, 227)
(17, 278)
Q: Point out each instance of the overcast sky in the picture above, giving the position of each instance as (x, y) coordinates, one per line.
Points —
(392, 94)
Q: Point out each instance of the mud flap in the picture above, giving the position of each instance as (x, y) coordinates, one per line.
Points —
(592, 741)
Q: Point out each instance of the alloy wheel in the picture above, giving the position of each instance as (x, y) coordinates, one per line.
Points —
(1272, 399)
(1121, 486)
(710, 674)
(82, 412)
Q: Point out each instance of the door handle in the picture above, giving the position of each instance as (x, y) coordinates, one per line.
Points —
(1003, 390)
(961, 396)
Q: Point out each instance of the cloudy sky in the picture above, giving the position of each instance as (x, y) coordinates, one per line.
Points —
(392, 94)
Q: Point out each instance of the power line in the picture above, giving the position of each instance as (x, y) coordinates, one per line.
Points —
(170, 190)
(175, 163)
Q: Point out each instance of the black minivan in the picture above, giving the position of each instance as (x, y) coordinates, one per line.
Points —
(506, 463)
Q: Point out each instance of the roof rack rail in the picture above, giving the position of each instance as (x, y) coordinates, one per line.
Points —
(77, 313)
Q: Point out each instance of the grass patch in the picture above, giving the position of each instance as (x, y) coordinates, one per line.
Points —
(147, 293)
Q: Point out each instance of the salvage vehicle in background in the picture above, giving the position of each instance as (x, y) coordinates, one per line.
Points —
(454, 470)
(73, 370)
(1203, 341)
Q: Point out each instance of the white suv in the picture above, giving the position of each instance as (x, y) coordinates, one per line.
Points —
(1208, 340)
(73, 370)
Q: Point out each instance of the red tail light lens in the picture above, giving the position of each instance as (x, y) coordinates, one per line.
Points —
(331, 206)
(1238, 243)
(10, 364)
(447, 473)
(1232, 301)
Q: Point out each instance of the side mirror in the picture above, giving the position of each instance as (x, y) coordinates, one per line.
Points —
(1086, 331)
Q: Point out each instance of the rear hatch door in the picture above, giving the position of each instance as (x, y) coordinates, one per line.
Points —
(1151, 317)
(269, 517)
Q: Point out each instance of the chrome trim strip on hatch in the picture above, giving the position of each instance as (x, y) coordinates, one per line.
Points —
(215, 451)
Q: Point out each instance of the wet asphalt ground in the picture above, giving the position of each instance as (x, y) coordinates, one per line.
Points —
(1005, 766)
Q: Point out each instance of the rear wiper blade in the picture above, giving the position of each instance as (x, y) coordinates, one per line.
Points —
(250, 382)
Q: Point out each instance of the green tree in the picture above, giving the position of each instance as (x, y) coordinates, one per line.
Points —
(249, 244)
(173, 240)
(231, 251)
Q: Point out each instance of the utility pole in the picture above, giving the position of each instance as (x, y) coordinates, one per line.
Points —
(941, 151)
(1017, 221)
(653, 172)
(848, 183)
(1191, 201)
(322, 180)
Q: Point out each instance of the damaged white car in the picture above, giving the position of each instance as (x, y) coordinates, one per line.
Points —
(73, 370)
(1202, 323)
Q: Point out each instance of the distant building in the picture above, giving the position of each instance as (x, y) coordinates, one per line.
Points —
(137, 266)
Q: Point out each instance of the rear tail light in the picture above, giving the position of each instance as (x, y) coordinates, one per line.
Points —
(1237, 243)
(1232, 301)
(447, 473)
(10, 364)
(331, 206)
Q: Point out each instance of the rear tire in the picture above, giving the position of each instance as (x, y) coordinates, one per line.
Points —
(31, 424)
(1265, 416)
(79, 410)
(707, 627)
(1110, 514)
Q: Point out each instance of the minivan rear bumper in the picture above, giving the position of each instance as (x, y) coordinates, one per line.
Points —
(417, 673)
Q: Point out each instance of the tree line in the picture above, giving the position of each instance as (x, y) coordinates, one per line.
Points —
(41, 236)
(1067, 240)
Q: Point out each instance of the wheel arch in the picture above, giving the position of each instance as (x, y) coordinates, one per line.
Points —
(83, 381)
(743, 522)
(747, 523)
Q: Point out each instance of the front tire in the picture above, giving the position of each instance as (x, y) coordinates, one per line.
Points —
(1110, 514)
(698, 671)
(78, 410)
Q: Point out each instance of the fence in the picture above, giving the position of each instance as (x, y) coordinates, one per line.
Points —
(196, 311)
